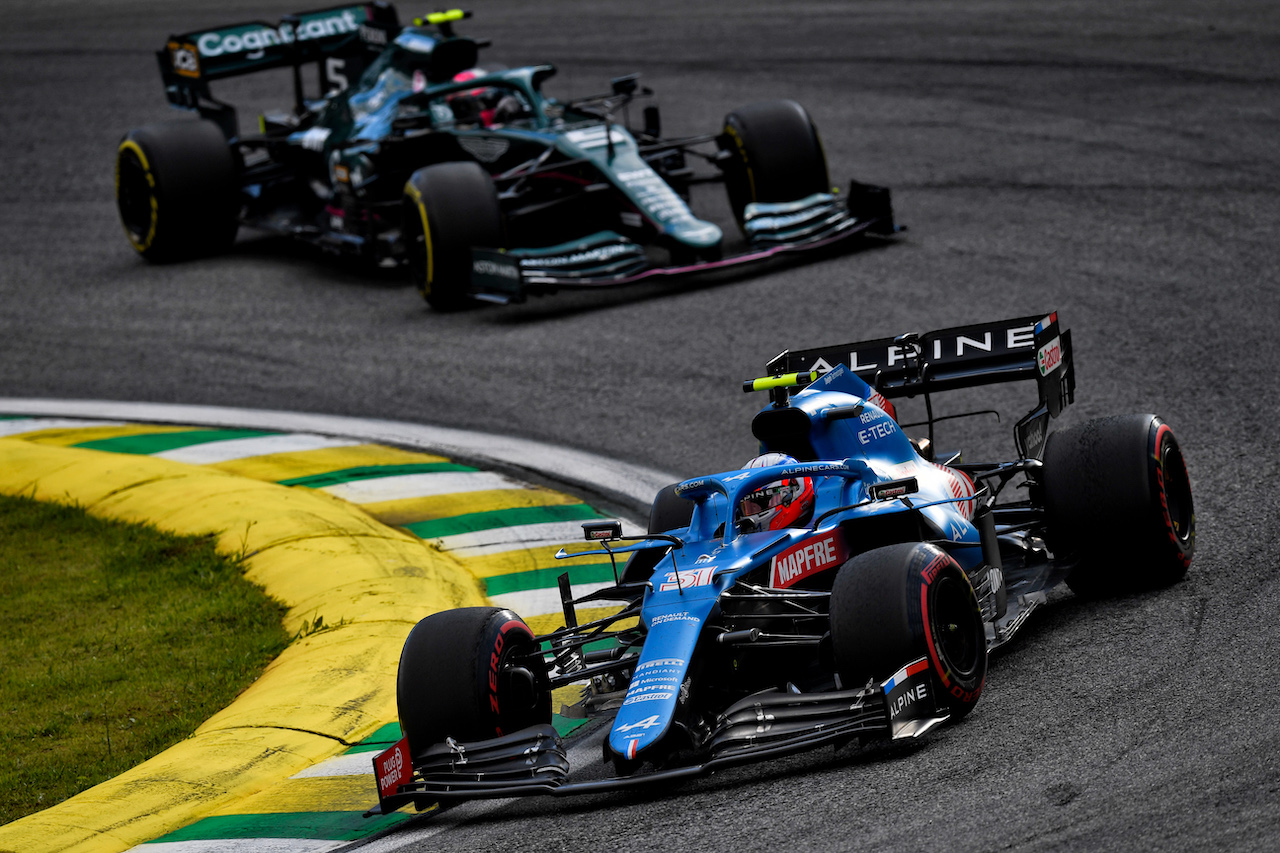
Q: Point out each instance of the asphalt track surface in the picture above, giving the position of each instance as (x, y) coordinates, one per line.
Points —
(1115, 163)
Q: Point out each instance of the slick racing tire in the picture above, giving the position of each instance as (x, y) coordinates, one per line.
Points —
(669, 512)
(1117, 501)
(469, 674)
(774, 154)
(892, 606)
(448, 209)
(177, 190)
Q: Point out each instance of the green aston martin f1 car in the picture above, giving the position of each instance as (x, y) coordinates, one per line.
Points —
(413, 153)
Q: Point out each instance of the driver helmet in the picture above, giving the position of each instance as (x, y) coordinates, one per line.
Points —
(779, 504)
(486, 105)
(469, 105)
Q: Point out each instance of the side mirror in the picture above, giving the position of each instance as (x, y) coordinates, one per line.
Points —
(595, 531)
(625, 85)
(894, 489)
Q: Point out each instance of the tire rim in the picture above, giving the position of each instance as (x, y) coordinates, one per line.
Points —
(415, 247)
(133, 197)
(957, 626)
(518, 685)
(1177, 492)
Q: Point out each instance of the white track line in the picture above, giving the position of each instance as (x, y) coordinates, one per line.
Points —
(241, 845)
(347, 764)
(212, 452)
(405, 486)
(22, 425)
(632, 485)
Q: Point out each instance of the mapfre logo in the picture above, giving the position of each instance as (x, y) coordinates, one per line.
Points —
(185, 59)
(1049, 356)
(808, 558)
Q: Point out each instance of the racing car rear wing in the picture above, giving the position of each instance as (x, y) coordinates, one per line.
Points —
(960, 357)
(341, 40)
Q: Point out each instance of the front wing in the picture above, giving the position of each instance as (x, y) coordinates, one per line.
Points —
(608, 259)
(761, 726)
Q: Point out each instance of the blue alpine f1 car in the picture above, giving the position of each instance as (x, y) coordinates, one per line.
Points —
(411, 152)
(846, 584)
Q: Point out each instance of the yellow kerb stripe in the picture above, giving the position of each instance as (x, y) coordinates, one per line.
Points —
(65, 437)
(446, 506)
(520, 560)
(314, 794)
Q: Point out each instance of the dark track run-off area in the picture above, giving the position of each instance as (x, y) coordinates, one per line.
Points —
(1117, 162)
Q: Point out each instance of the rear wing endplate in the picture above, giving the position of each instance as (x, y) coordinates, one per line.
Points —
(1022, 348)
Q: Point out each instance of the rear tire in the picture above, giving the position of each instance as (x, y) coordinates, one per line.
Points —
(894, 605)
(774, 155)
(177, 190)
(460, 677)
(448, 209)
(1118, 502)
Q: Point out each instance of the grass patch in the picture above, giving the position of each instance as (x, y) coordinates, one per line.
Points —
(116, 641)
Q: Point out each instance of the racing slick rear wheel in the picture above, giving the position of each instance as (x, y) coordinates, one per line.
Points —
(773, 154)
(470, 674)
(448, 208)
(894, 605)
(1118, 502)
(177, 189)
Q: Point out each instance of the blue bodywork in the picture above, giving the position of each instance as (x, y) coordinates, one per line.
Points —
(688, 581)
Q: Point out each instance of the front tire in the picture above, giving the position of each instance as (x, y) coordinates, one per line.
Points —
(1118, 503)
(464, 674)
(177, 190)
(894, 605)
(448, 209)
(774, 154)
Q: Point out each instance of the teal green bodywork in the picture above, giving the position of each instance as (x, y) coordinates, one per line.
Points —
(399, 84)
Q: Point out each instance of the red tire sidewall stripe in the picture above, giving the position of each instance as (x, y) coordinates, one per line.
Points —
(927, 577)
(494, 666)
(1158, 458)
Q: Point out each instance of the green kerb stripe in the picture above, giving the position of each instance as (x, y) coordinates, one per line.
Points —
(565, 726)
(370, 472)
(147, 444)
(546, 578)
(335, 826)
(379, 740)
(493, 519)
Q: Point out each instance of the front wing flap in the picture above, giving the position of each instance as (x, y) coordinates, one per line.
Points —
(608, 259)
